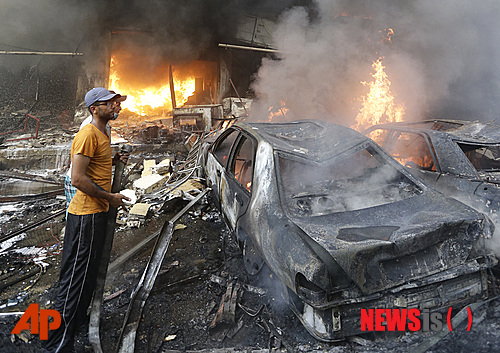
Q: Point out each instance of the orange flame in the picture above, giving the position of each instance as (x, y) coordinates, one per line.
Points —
(389, 33)
(144, 100)
(378, 105)
(279, 112)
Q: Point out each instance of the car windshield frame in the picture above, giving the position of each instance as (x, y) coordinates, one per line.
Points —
(324, 199)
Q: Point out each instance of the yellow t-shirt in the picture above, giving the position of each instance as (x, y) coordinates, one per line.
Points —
(91, 142)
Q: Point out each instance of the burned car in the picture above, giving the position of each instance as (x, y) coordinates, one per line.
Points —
(343, 225)
(460, 158)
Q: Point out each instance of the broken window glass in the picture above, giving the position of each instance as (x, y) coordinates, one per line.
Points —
(483, 157)
(222, 149)
(241, 167)
(356, 181)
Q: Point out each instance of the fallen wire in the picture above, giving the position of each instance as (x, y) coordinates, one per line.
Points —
(52, 232)
(31, 226)
(17, 280)
(37, 278)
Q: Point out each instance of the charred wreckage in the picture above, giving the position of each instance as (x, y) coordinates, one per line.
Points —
(342, 224)
(454, 156)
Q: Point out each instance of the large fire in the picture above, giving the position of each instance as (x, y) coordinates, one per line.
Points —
(153, 99)
(379, 105)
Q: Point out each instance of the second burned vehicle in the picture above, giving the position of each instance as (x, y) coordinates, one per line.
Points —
(459, 158)
(343, 225)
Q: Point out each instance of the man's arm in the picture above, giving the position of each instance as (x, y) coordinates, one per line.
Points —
(81, 181)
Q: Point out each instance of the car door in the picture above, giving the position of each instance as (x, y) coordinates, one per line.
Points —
(217, 159)
(236, 180)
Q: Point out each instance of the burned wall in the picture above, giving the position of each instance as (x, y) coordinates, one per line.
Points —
(42, 85)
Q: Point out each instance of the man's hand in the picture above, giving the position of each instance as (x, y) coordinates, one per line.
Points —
(116, 199)
(120, 156)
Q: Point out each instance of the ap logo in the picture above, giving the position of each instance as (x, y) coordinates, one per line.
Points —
(39, 321)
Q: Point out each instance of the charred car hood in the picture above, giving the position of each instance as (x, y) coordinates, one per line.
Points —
(385, 246)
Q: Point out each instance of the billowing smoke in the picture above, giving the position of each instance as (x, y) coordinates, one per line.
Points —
(183, 30)
(492, 241)
(442, 59)
(46, 82)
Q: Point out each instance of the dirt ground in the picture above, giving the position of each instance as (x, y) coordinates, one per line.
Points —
(202, 260)
(185, 299)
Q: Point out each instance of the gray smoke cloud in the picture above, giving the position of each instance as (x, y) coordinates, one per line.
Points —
(180, 29)
(442, 59)
(50, 25)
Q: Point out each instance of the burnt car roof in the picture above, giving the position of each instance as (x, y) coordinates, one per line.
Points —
(315, 138)
(466, 131)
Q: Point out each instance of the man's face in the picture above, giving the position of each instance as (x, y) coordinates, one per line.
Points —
(105, 110)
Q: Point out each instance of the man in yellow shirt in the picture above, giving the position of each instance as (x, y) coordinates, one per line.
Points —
(87, 215)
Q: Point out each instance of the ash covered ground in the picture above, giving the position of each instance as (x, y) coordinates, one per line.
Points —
(185, 299)
(202, 261)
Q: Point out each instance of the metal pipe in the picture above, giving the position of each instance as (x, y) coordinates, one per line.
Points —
(231, 46)
(95, 314)
(140, 294)
(30, 177)
(172, 88)
(12, 52)
(31, 226)
(41, 196)
(241, 101)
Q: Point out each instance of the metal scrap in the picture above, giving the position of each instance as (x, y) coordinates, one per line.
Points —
(40, 196)
(30, 177)
(139, 296)
(460, 317)
(32, 225)
(247, 287)
(114, 295)
(225, 317)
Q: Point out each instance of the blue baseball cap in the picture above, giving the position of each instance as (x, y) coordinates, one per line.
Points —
(99, 94)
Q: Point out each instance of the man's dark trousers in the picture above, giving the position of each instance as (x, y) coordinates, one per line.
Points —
(83, 243)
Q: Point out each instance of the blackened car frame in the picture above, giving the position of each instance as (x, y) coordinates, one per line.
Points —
(459, 158)
(343, 225)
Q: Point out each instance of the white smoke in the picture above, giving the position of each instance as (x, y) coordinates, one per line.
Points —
(442, 59)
